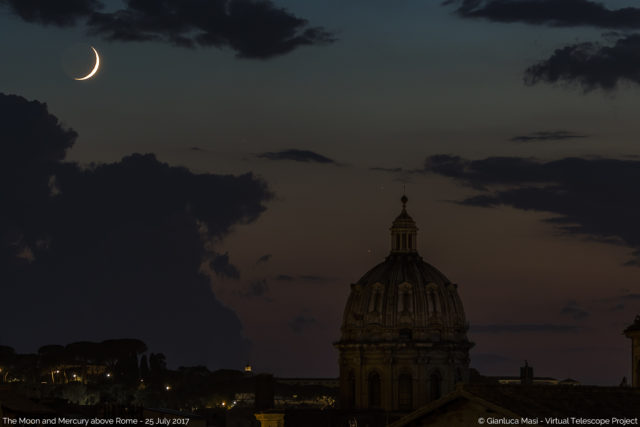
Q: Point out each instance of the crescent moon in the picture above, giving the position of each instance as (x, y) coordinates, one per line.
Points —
(95, 68)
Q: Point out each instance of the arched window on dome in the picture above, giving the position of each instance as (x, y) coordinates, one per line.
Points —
(375, 390)
(405, 392)
(435, 386)
(431, 302)
(405, 303)
(375, 304)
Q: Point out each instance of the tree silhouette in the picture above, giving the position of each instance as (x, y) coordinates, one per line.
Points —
(51, 359)
(121, 356)
(7, 358)
(84, 352)
(144, 367)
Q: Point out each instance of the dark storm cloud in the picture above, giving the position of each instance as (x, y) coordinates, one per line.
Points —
(565, 13)
(301, 323)
(252, 28)
(597, 197)
(255, 289)
(117, 250)
(222, 267)
(296, 155)
(264, 258)
(558, 135)
(590, 65)
(60, 13)
(573, 310)
(523, 328)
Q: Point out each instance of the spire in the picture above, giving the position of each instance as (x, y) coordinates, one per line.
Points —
(404, 231)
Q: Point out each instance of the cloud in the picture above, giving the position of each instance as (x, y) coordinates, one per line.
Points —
(554, 13)
(304, 277)
(617, 307)
(255, 289)
(597, 197)
(523, 328)
(60, 13)
(301, 323)
(296, 155)
(390, 170)
(264, 258)
(558, 135)
(118, 250)
(590, 65)
(252, 28)
(573, 310)
(222, 267)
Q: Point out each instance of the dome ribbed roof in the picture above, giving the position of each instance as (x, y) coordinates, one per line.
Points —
(397, 269)
(404, 296)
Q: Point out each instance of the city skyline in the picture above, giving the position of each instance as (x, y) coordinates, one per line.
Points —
(272, 159)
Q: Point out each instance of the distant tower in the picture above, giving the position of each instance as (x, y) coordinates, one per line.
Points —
(526, 374)
(404, 333)
(633, 332)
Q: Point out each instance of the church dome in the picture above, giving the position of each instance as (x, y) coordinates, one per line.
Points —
(404, 298)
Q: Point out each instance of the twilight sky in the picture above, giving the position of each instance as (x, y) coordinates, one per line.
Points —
(236, 164)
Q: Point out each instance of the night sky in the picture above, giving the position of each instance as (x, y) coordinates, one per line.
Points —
(235, 164)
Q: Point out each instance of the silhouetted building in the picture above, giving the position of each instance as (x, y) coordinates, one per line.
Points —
(633, 332)
(14, 406)
(264, 386)
(404, 333)
(474, 404)
(526, 378)
(526, 374)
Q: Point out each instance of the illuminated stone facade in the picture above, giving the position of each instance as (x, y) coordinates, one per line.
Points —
(404, 333)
